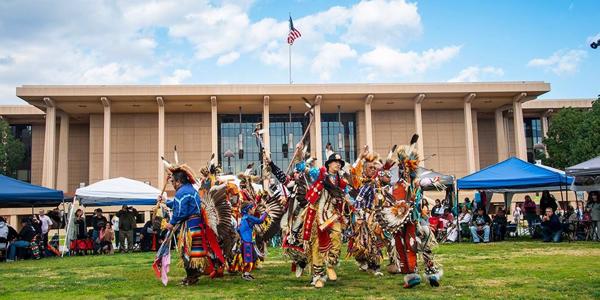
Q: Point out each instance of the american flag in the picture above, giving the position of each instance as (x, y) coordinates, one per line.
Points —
(294, 33)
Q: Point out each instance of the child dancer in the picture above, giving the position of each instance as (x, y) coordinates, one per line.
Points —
(246, 229)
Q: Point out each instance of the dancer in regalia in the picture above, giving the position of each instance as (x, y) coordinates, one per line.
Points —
(400, 218)
(323, 220)
(198, 245)
(366, 240)
(246, 259)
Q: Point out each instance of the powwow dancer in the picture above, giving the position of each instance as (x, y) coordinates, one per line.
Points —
(366, 241)
(400, 218)
(245, 260)
(322, 222)
(293, 222)
(198, 245)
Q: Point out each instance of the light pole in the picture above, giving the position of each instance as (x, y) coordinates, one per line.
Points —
(229, 154)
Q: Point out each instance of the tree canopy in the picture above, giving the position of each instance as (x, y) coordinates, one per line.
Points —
(573, 136)
(12, 151)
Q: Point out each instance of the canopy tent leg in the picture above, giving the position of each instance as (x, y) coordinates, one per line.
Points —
(68, 227)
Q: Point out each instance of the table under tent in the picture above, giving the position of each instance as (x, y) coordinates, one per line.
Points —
(587, 175)
(111, 192)
(513, 176)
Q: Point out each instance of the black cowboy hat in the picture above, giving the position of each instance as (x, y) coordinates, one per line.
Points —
(335, 157)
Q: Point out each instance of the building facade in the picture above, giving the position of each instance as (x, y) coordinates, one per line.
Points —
(83, 134)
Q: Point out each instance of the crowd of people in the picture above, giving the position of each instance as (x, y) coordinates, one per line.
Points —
(32, 239)
(88, 235)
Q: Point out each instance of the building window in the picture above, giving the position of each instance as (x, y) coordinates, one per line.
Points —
(280, 129)
(340, 132)
(533, 136)
(229, 139)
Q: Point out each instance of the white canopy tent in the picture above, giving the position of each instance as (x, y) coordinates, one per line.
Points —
(117, 191)
(114, 191)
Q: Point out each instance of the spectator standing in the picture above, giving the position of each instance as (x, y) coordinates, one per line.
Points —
(593, 207)
(530, 209)
(79, 234)
(98, 222)
(551, 226)
(45, 224)
(25, 239)
(127, 224)
(481, 222)
(518, 214)
(580, 211)
(115, 227)
(546, 201)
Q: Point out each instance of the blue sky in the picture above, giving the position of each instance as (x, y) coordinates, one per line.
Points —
(243, 41)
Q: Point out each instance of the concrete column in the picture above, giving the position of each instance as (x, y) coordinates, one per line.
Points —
(318, 134)
(106, 140)
(545, 125)
(368, 122)
(48, 167)
(520, 146)
(475, 138)
(214, 126)
(419, 127)
(266, 135)
(501, 144)
(62, 176)
(544, 119)
(161, 141)
(470, 144)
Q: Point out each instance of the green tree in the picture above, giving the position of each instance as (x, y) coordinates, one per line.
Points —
(573, 136)
(12, 151)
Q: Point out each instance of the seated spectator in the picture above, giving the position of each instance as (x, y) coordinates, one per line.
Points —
(25, 240)
(438, 209)
(551, 227)
(146, 236)
(467, 204)
(107, 235)
(98, 222)
(7, 234)
(481, 223)
(53, 246)
(500, 223)
(464, 218)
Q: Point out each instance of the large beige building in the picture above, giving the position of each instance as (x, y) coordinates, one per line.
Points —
(85, 133)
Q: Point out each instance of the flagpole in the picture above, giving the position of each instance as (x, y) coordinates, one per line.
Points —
(290, 57)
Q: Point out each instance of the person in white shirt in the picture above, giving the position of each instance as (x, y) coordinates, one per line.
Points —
(45, 223)
(463, 218)
(115, 227)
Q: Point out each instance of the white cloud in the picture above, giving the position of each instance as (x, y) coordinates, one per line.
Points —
(228, 58)
(177, 77)
(560, 62)
(475, 73)
(382, 22)
(330, 57)
(138, 41)
(395, 63)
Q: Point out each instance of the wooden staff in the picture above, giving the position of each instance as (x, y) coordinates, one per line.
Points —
(287, 171)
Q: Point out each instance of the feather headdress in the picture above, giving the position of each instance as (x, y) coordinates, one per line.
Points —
(176, 167)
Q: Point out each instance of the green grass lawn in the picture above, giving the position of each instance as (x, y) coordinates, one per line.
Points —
(508, 270)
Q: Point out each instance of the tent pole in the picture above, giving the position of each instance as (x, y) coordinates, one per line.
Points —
(68, 227)
(457, 224)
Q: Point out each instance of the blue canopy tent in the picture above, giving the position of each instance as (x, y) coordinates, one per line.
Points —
(16, 193)
(515, 176)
